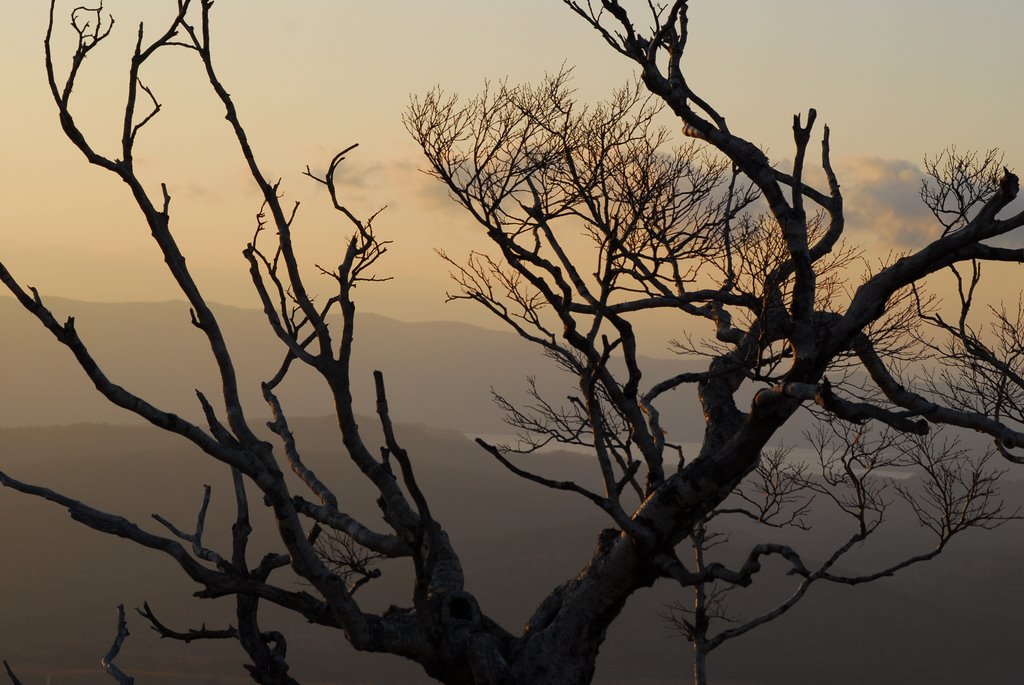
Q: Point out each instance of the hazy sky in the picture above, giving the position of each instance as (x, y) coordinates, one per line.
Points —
(896, 80)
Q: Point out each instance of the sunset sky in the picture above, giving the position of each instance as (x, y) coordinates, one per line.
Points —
(895, 81)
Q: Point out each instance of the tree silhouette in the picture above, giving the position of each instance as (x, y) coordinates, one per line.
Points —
(712, 232)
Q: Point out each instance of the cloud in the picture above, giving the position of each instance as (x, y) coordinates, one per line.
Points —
(883, 203)
(202, 193)
(360, 175)
(388, 181)
(403, 183)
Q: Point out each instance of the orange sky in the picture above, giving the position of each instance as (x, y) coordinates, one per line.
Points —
(895, 81)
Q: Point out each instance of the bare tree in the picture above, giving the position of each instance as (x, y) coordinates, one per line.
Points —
(674, 230)
(948, 488)
(535, 168)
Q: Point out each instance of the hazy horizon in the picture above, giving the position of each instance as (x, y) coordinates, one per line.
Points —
(880, 77)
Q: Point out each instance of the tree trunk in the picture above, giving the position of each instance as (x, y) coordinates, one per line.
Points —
(700, 665)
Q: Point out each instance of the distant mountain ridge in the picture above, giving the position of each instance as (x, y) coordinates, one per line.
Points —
(437, 373)
(951, 621)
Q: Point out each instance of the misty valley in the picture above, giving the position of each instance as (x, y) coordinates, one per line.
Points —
(61, 582)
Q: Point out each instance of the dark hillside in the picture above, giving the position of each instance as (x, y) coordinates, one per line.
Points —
(952, 621)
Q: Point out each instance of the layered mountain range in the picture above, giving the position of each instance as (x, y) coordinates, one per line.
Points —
(953, 620)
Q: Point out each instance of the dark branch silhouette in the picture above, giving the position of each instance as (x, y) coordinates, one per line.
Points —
(594, 218)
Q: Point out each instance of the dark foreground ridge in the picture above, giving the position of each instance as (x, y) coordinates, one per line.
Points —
(929, 625)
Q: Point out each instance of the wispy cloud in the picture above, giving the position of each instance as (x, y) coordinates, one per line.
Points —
(883, 203)
(202, 193)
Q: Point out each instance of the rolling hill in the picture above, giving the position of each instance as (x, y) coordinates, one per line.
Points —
(951, 621)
